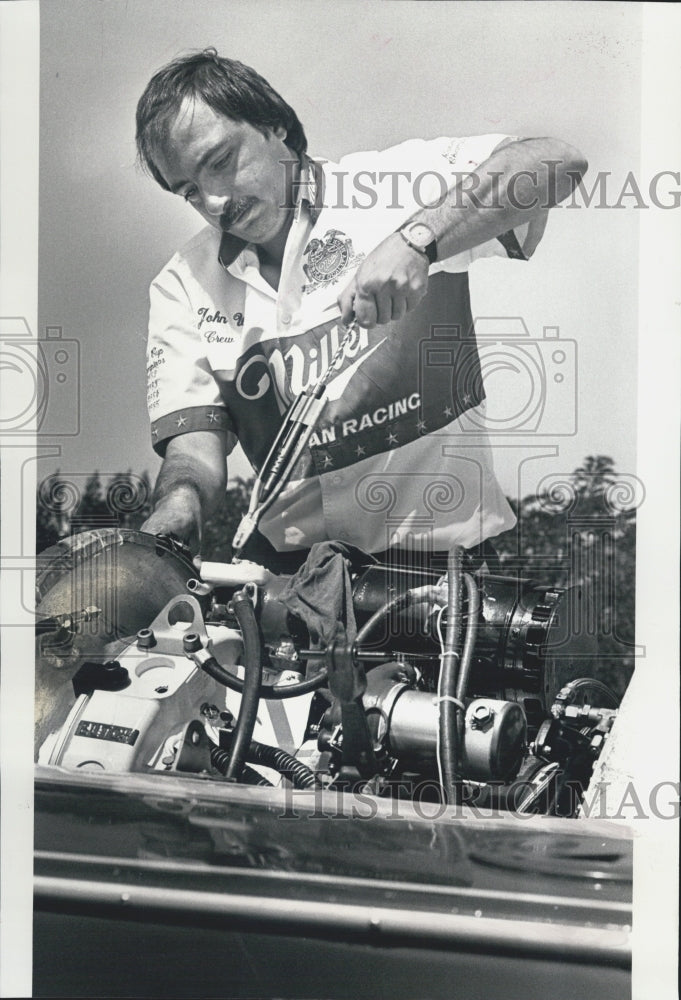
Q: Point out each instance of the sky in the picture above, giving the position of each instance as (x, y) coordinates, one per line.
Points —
(361, 76)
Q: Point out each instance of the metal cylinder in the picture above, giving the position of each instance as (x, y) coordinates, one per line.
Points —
(494, 736)
(412, 722)
(495, 732)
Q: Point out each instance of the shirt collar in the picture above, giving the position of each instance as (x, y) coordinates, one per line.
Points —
(309, 194)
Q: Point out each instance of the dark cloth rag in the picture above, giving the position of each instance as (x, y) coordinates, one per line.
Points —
(321, 592)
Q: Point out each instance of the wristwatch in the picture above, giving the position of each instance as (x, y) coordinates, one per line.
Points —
(420, 237)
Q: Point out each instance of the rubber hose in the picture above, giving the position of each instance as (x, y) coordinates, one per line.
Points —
(280, 692)
(219, 758)
(269, 691)
(397, 603)
(448, 727)
(473, 595)
(601, 688)
(299, 774)
(248, 710)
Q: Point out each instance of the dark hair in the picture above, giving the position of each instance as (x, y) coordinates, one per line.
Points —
(225, 85)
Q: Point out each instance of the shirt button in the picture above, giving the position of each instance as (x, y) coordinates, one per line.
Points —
(286, 319)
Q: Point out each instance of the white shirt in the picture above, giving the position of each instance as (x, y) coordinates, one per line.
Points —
(391, 462)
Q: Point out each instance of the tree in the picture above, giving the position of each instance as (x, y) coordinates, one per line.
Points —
(128, 498)
(46, 525)
(592, 479)
(92, 510)
(575, 536)
(62, 509)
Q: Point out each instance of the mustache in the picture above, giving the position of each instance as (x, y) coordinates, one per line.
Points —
(233, 211)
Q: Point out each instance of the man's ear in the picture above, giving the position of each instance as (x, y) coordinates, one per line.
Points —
(281, 132)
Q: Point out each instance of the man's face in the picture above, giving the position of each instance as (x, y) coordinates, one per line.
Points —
(230, 172)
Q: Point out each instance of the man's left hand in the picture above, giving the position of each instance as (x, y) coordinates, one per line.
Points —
(388, 283)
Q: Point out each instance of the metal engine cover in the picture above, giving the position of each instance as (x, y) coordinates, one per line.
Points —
(128, 575)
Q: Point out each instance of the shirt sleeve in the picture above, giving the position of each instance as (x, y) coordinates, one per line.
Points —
(182, 394)
(460, 157)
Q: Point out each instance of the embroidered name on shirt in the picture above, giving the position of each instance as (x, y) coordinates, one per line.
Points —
(154, 362)
(209, 317)
(213, 337)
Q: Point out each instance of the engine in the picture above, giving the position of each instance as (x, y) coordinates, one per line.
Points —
(458, 686)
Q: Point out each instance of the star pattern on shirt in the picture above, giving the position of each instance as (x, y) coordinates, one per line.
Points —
(448, 411)
(155, 432)
(327, 461)
(392, 438)
(467, 399)
(421, 426)
(212, 417)
(359, 451)
(181, 421)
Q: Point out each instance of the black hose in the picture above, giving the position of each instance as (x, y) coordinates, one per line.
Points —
(282, 691)
(448, 727)
(473, 595)
(398, 603)
(298, 773)
(572, 687)
(219, 758)
(248, 710)
(270, 691)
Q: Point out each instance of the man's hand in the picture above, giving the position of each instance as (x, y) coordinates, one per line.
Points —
(178, 514)
(517, 184)
(389, 282)
(190, 486)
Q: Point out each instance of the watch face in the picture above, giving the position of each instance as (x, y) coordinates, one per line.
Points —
(420, 234)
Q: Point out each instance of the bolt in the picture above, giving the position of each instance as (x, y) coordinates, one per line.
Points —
(191, 642)
(482, 714)
(146, 638)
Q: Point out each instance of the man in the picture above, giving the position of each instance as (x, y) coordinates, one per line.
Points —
(255, 307)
